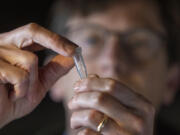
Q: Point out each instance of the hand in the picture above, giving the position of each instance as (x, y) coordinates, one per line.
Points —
(128, 112)
(22, 84)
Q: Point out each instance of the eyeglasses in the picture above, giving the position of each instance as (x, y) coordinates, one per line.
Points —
(138, 44)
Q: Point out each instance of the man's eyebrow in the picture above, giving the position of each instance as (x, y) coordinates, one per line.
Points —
(87, 25)
(147, 30)
(128, 31)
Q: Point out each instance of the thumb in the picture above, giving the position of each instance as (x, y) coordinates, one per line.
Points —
(56, 68)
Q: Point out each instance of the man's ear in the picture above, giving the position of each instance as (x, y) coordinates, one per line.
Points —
(173, 83)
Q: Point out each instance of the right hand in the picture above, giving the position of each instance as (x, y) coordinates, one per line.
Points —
(19, 69)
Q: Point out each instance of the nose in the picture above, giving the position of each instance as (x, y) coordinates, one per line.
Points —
(112, 61)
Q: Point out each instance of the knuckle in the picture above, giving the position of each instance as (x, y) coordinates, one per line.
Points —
(111, 85)
(29, 60)
(87, 83)
(54, 38)
(99, 99)
(91, 115)
(149, 109)
(24, 77)
(33, 58)
(139, 124)
(31, 27)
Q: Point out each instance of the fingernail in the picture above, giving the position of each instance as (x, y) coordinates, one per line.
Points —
(70, 48)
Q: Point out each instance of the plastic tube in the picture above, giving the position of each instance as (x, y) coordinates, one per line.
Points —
(79, 63)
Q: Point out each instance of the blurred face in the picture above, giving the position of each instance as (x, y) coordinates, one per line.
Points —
(124, 42)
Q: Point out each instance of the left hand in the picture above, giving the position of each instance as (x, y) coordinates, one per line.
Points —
(23, 84)
(128, 112)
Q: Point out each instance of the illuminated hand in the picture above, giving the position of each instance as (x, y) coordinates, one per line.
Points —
(128, 113)
(22, 84)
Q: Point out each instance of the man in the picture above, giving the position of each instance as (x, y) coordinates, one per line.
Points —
(124, 42)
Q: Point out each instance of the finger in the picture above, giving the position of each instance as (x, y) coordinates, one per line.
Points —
(87, 132)
(91, 119)
(25, 60)
(93, 76)
(33, 33)
(16, 77)
(34, 47)
(3, 94)
(88, 118)
(118, 90)
(56, 68)
(6, 106)
(108, 105)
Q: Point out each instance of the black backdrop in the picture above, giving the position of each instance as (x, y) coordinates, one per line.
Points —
(15, 13)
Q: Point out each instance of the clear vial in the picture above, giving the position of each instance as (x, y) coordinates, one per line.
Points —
(79, 63)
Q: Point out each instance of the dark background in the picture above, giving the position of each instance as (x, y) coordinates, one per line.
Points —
(15, 13)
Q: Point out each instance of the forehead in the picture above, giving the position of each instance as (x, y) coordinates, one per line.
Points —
(124, 15)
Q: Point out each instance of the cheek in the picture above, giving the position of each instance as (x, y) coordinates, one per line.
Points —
(92, 66)
(63, 89)
(152, 81)
(155, 84)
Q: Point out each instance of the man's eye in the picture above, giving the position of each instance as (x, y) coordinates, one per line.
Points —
(94, 40)
(136, 44)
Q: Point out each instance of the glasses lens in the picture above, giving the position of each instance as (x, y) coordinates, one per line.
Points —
(142, 45)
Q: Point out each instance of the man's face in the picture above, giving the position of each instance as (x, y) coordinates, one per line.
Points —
(124, 42)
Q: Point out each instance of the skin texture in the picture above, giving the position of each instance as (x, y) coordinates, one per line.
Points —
(22, 84)
(126, 92)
